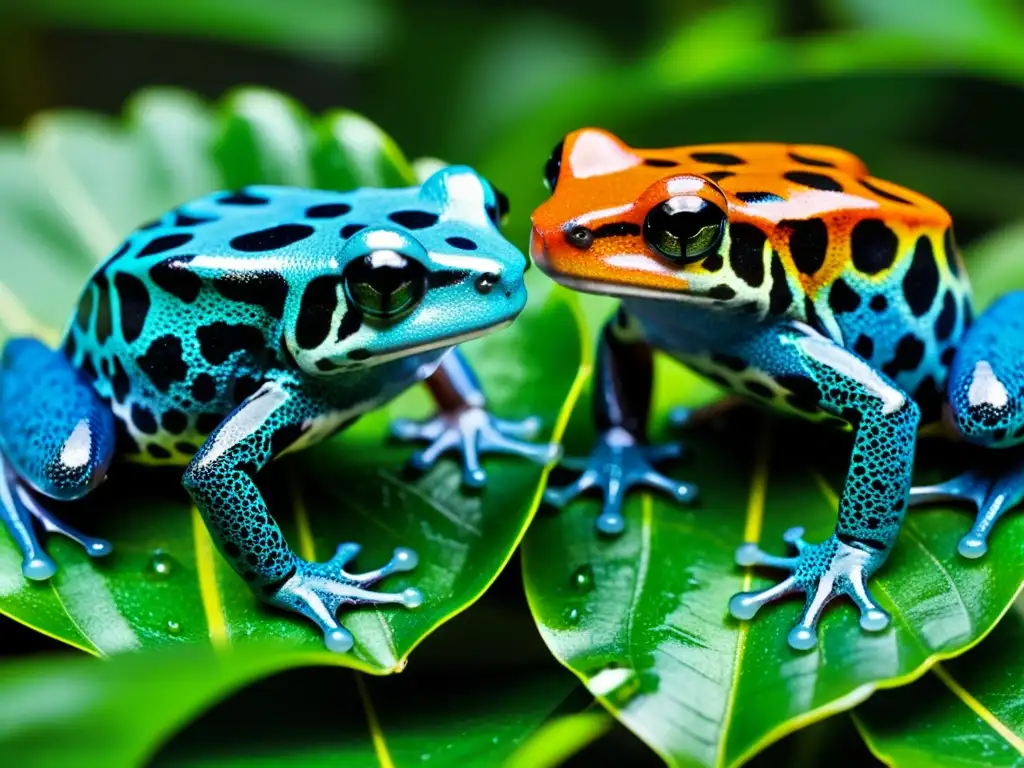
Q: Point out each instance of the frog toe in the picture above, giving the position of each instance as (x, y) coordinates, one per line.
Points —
(318, 590)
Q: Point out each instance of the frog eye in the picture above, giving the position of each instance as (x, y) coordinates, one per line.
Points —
(553, 166)
(385, 284)
(684, 229)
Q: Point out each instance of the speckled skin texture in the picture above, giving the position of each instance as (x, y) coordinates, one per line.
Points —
(244, 325)
(789, 275)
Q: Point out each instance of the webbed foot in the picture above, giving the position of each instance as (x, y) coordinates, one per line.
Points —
(616, 464)
(823, 572)
(473, 432)
(17, 508)
(991, 491)
(317, 590)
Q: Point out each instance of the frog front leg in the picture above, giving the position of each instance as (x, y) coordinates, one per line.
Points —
(465, 425)
(220, 481)
(622, 458)
(824, 375)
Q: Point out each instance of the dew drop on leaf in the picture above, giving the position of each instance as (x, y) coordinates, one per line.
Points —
(160, 566)
(582, 578)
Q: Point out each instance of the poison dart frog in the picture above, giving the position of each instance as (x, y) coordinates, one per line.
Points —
(245, 325)
(789, 275)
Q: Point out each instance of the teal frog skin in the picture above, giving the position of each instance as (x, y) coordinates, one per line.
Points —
(246, 325)
(788, 275)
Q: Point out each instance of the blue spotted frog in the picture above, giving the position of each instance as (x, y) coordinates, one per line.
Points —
(246, 325)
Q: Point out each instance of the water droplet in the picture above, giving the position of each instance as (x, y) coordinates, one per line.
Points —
(582, 579)
(173, 628)
(572, 616)
(160, 566)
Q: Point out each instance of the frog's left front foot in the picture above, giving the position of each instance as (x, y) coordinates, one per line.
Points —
(823, 572)
(992, 491)
(473, 432)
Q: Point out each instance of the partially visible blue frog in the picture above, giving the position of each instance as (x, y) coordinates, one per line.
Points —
(246, 325)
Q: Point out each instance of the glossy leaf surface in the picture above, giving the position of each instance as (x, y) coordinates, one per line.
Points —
(642, 619)
(968, 711)
(69, 190)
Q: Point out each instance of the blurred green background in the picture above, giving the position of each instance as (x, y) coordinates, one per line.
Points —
(927, 91)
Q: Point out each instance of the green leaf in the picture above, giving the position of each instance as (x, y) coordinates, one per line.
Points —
(642, 619)
(119, 713)
(69, 191)
(342, 30)
(187, 706)
(966, 712)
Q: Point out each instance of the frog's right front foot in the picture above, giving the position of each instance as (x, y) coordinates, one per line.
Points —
(617, 464)
(317, 590)
(822, 572)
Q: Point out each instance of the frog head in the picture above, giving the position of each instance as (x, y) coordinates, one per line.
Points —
(431, 271)
(629, 222)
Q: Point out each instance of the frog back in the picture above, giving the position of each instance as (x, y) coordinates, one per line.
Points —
(187, 317)
(871, 264)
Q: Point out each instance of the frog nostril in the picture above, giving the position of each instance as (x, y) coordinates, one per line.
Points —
(486, 282)
(579, 237)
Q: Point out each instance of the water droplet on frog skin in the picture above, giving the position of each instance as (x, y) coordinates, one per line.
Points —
(160, 566)
(582, 579)
(572, 616)
(173, 628)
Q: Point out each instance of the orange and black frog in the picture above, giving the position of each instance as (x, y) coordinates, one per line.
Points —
(788, 274)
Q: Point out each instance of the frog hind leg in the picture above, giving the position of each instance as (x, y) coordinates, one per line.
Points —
(57, 439)
(986, 382)
(820, 374)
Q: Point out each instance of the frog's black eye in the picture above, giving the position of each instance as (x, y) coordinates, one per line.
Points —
(385, 284)
(685, 229)
(553, 166)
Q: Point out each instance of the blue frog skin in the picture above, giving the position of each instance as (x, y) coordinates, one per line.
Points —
(246, 325)
(790, 276)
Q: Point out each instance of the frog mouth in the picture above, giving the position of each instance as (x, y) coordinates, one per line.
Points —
(364, 358)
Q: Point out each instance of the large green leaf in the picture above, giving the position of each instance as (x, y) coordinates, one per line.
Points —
(967, 712)
(75, 711)
(69, 191)
(642, 619)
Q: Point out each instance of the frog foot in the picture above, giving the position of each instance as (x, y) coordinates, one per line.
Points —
(317, 590)
(616, 464)
(473, 432)
(991, 491)
(823, 572)
(17, 508)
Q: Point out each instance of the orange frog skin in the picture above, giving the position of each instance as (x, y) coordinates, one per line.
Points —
(789, 275)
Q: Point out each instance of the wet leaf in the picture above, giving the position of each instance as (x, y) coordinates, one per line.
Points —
(968, 711)
(70, 188)
(643, 620)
